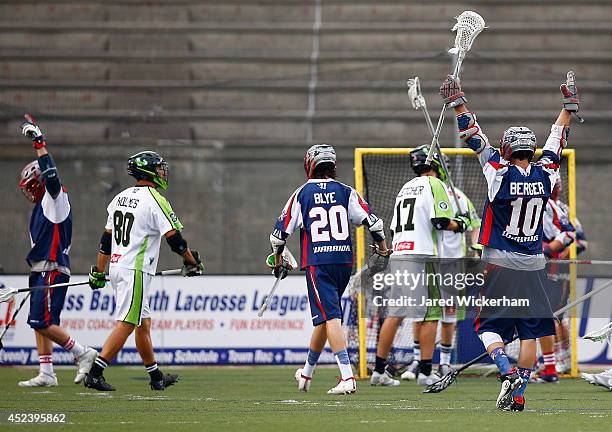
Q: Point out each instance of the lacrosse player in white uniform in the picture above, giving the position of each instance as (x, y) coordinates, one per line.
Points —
(422, 209)
(138, 217)
(454, 250)
(604, 378)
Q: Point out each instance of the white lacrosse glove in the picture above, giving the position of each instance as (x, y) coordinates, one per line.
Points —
(569, 91)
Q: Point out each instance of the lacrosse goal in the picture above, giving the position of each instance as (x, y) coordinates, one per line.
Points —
(379, 175)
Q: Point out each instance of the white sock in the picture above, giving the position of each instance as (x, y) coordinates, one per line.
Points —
(46, 364)
(446, 352)
(417, 351)
(73, 347)
(344, 364)
(308, 369)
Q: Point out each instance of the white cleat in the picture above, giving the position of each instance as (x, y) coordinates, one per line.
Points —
(604, 379)
(411, 373)
(84, 363)
(41, 380)
(427, 380)
(302, 380)
(344, 387)
(444, 369)
(383, 379)
(590, 378)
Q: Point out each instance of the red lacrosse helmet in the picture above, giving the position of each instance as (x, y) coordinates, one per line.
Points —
(31, 185)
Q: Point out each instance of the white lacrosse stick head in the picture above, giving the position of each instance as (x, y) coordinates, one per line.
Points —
(600, 335)
(414, 93)
(469, 25)
(6, 294)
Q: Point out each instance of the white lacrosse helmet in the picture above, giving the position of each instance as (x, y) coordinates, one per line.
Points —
(316, 155)
(517, 138)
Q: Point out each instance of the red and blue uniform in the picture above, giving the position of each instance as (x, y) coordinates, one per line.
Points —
(323, 210)
(51, 238)
(512, 233)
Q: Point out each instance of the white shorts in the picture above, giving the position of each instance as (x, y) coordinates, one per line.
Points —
(131, 294)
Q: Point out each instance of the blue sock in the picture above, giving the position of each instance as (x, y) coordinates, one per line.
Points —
(524, 373)
(313, 357)
(343, 357)
(501, 360)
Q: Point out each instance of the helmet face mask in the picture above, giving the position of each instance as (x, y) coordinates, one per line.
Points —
(149, 166)
(30, 184)
(515, 139)
(317, 155)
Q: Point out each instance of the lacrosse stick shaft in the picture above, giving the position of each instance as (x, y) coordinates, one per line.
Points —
(266, 303)
(456, 70)
(8, 324)
(169, 272)
(41, 287)
(575, 261)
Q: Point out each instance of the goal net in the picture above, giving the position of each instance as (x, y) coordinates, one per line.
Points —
(379, 175)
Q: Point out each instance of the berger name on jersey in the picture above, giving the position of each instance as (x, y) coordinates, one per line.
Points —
(526, 188)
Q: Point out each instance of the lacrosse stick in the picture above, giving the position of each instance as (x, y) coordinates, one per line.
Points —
(600, 335)
(451, 377)
(8, 324)
(469, 25)
(291, 263)
(8, 293)
(418, 103)
(575, 261)
(169, 272)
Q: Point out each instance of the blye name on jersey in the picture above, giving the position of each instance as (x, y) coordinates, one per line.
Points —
(524, 188)
(325, 198)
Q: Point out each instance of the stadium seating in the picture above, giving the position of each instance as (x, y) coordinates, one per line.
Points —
(240, 80)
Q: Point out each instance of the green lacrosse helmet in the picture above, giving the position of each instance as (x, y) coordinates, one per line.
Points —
(149, 165)
(418, 159)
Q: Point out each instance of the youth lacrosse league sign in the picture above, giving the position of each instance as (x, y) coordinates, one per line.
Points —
(203, 320)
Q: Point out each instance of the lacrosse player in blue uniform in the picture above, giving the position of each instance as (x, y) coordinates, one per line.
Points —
(511, 232)
(323, 210)
(50, 235)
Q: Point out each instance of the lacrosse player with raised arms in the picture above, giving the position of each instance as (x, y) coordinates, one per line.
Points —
(51, 237)
(323, 209)
(422, 212)
(512, 231)
(138, 218)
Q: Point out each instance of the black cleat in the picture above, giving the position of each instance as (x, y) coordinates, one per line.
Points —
(167, 381)
(518, 403)
(98, 383)
(509, 382)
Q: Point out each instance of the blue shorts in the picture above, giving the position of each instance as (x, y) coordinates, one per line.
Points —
(46, 305)
(530, 321)
(326, 284)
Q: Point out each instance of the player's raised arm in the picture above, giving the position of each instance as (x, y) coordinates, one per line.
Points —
(48, 170)
(469, 129)
(559, 132)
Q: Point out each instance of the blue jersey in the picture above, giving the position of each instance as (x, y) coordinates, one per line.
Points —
(516, 197)
(323, 209)
(51, 230)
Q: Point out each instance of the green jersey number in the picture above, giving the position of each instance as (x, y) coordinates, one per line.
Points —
(404, 212)
(123, 226)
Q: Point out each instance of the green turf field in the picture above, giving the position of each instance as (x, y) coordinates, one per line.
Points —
(265, 398)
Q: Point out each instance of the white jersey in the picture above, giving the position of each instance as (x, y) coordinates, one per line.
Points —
(419, 200)
(453, 243)
(139, 217)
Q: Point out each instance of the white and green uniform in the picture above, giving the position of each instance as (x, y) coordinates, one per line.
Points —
(454, 244)
(454, 247)
(138, 218)
(419, 200)
(415, 243)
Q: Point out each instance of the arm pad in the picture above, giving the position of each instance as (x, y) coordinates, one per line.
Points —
(105, 243)
(177, 243)
(277, 241)
(376, 227)
(49, 174)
